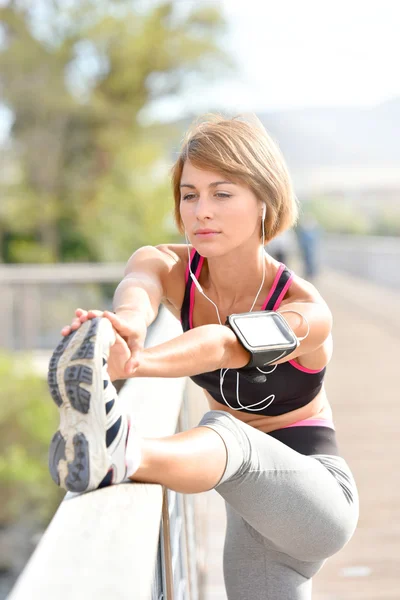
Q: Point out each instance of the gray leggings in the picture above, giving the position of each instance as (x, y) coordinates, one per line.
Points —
(286, 512)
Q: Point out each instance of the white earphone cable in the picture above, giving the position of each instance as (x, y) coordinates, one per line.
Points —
(304, 319)
(223, 372)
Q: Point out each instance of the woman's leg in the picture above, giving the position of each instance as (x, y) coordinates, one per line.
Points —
(285, 512)
(252, 569)
(305, 507)
(188, 462)
(290, 499)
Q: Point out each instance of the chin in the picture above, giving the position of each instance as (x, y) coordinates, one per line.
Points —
(211, 250)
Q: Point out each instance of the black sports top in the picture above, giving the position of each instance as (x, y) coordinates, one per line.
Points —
(284, 387)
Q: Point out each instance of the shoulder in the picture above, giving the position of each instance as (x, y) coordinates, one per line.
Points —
(163, 257)
(164, 266)
(301, 290)
(319, 314)
(179, 253)
(175, 258)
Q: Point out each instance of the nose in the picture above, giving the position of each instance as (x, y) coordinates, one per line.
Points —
(203, 209)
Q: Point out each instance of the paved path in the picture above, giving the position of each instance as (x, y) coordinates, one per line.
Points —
(362, 384)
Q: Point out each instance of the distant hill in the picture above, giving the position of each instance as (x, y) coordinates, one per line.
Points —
(312, 138)
(316, 137)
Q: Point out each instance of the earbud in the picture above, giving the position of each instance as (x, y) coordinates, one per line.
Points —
(264, 211)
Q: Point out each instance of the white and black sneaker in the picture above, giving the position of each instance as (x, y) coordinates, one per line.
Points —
(88, 450)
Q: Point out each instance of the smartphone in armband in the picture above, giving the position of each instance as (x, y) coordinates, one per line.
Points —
(265, 334)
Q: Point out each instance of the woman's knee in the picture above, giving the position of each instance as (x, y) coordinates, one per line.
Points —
(237, 444)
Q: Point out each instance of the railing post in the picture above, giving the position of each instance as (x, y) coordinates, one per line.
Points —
(167, 553)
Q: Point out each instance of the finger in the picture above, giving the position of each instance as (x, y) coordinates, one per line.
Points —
(118, 339)
(75, 324)
(132, 362)
(118, 323)
(111, 316)
(131, 366)
(66, 330)
(94, 313)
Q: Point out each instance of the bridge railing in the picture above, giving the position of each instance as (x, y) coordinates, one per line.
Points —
(131, 541)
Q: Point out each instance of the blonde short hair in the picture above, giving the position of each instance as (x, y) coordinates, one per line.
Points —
(243, 151)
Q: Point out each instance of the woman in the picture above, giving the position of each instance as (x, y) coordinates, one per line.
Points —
(267, 445)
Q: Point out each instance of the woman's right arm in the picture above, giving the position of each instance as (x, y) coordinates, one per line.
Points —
(148, 274)
(144, 285)
(139, 295)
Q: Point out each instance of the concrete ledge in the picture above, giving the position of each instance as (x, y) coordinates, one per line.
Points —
(103, 544)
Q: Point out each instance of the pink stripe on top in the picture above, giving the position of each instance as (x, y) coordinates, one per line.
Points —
(192, 292)
(304, 369)
(283, 292)
(312, 423)
(279, 273)
(294, 364)
(187, 268)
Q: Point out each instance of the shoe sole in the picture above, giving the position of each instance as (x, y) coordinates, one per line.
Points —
(78, 457)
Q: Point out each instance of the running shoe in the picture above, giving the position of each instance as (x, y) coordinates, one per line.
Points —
(88, 450)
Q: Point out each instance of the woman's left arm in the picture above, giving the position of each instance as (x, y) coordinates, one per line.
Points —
(199, 350)
(211, 347)
(311, 318)
(308, 318)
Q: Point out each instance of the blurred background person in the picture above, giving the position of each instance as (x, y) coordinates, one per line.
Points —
(308, 237)
(282, 247)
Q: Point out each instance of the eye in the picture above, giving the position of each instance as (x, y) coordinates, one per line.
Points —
(188, 196)
(223, 195)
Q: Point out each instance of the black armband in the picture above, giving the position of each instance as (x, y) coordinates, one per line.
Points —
(265, 334)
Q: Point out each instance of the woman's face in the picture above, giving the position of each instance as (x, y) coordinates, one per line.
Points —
(218, 215)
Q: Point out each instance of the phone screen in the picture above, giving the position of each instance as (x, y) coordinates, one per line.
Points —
(262, 330)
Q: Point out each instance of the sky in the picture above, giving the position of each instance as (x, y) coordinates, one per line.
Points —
(297, 53)
(301, 53)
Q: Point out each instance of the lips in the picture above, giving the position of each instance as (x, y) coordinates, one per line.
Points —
(204, 231)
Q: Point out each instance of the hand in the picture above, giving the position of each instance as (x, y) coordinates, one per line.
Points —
(131, 328)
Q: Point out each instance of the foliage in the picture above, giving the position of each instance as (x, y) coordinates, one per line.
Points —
(345, 216)
(28, 420)
(387, 222)
(338, 216)
(89, 180)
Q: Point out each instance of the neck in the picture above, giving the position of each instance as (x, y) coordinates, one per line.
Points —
(238, 278)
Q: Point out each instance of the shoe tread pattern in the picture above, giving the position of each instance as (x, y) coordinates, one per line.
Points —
(78, 476)
(77, 395)
(52, 374)
(86, 349)
(56, 453)
(76, 374)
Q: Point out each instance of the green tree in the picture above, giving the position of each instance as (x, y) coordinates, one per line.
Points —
(92, 178)
(27, 421)
(338, 216)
